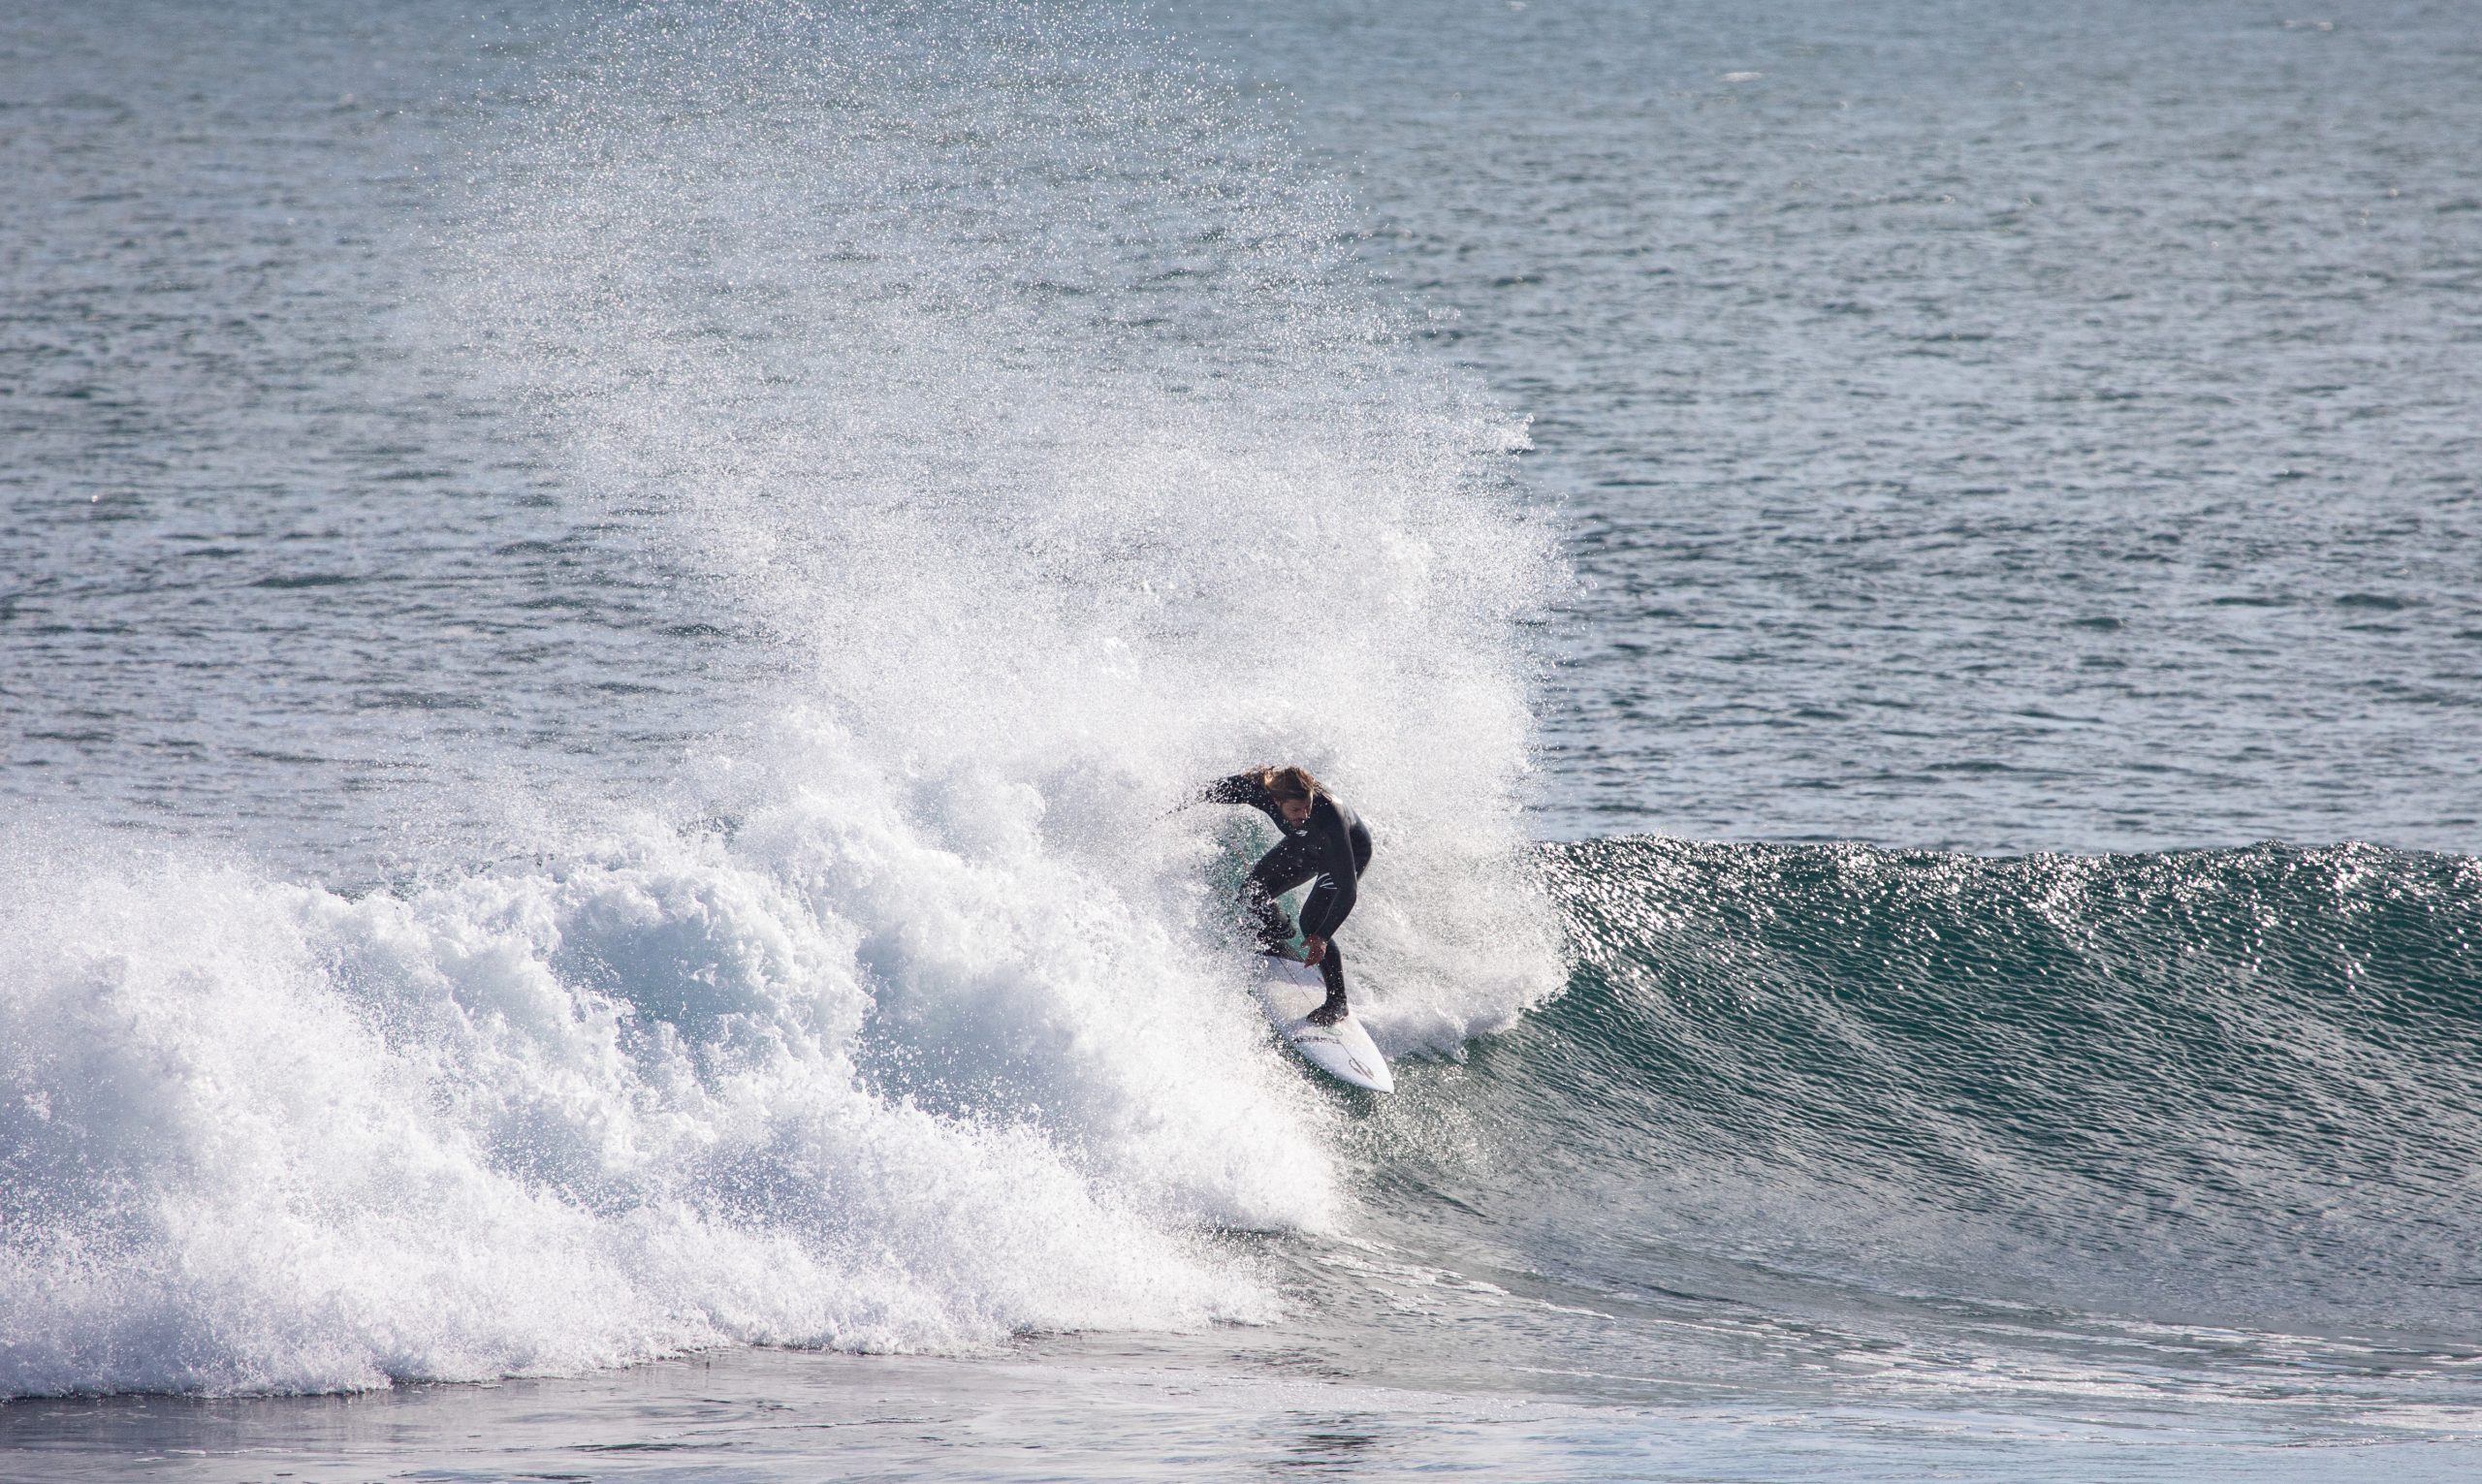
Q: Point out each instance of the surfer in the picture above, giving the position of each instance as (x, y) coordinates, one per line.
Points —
(1323, 841)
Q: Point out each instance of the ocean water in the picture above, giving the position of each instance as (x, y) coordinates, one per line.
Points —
(606, 612)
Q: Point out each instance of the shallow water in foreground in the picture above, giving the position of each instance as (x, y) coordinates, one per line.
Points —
(1121, 1409)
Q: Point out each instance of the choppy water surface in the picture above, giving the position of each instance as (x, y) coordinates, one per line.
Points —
(1976, 431)
(602, 615)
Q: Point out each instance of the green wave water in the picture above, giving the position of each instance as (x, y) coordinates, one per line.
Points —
(2222, 1087)
(2176, 1147)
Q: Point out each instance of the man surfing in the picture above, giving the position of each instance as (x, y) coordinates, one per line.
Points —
(1323, 841)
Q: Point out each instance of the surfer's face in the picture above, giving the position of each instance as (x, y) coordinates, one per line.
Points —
(1296, 810)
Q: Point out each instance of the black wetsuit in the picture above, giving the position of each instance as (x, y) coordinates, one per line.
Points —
(1331, 847)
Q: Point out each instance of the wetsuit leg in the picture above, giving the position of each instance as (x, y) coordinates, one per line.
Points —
(1331, 969)
(1322, 896)
(1331, 963)
(1277, 873)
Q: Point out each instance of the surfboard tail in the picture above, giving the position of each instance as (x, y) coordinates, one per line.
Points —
(1291, 990)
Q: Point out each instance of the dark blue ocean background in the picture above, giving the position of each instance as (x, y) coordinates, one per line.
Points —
(605, 609)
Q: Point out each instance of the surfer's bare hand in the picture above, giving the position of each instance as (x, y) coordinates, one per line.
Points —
(1313, 948)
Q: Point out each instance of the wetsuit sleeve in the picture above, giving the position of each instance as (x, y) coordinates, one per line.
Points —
(1336, 865)
(1241, 788)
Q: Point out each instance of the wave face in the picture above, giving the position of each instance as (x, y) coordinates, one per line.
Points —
(2231, 1087)
(1014, 388)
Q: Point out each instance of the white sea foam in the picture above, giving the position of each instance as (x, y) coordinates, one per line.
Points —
(264, 1136)
(902, 1022)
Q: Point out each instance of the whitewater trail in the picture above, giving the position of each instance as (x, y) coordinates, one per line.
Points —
(837, 1042)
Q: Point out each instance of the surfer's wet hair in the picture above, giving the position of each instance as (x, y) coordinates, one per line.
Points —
(1289, 782)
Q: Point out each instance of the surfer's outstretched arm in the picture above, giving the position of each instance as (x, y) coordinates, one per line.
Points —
(1241, 788)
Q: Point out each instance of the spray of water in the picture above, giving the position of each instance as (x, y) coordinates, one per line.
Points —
(1018, 387)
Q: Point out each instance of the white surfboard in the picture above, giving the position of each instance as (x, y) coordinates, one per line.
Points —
(1291, 990)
